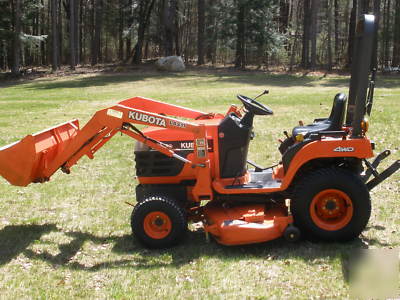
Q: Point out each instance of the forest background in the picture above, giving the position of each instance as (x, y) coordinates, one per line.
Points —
(264, 34)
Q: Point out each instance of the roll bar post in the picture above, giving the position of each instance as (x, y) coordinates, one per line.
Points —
(360, 70)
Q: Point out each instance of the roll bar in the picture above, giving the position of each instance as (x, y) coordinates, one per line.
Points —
(359, 81)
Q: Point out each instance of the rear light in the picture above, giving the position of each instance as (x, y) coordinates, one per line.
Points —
(365, 125)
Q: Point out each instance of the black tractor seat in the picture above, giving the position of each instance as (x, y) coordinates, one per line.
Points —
(333, 123)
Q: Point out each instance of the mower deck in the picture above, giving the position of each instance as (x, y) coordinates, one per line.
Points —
(245, 224)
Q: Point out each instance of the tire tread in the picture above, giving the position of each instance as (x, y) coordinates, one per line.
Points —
(165, 203)
(335, 177)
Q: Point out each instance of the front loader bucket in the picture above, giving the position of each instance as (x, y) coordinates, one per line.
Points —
(25, 161)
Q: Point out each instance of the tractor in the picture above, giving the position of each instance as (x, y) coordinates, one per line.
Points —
(192, 166)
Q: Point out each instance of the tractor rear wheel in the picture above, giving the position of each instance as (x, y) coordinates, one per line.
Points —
(158, 222)
(331, 204)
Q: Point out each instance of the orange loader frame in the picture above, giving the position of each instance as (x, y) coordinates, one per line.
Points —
(37, 157)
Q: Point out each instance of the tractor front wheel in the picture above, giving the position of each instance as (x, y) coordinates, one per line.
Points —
(331, 204)
(158, 222)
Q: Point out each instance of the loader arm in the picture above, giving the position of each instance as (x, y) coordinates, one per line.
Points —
(37, 157)
(159, 107)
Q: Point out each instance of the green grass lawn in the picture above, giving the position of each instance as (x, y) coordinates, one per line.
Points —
(71, 237)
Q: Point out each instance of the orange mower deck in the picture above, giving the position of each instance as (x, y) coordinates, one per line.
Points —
(246, 224)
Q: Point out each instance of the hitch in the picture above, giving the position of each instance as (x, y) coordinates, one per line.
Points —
(372, 170)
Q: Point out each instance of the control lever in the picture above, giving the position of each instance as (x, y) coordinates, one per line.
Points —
(286, 134)
(263, 93)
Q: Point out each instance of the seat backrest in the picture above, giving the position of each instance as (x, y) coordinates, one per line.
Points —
(338, 112)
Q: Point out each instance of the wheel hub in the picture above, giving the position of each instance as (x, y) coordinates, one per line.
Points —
(331, 209)
(331, 204)
(158, 221)
(157, 225)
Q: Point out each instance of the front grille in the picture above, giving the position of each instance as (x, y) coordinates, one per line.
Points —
(154, 164)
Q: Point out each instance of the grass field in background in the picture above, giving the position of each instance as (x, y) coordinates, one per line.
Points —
(71, 237)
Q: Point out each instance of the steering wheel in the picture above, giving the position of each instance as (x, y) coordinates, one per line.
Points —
(255, 107)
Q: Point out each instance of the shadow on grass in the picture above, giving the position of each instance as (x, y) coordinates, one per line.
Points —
(99, 80)
(16, 239)
(255, 78)
(245, 78)
(291, 80)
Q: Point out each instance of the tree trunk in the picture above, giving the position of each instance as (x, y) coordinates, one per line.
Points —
(3, 55)
(211, 32)
(187, 32)
(200, 31)
(105, 39)
(284, 6)
(145, 9)
(16, 38)
(336, 4)
(240, 61)
(305, 55)
(169, 15)
(128, 47)
(396, 36)
(363, 6)
(352, 28)
(96, 49)
(293, 48)
(177, 32)
(60, 34)
(314, 30)
(146, 50)
(43, 28)
(54, 35)
(377, 12)
(329, 46)
(36, 31)
(76, 30)
(72, 38)
(386, 39)
(120, 31)
(82, 32)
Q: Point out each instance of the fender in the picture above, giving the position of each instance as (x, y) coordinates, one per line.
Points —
(327, 148)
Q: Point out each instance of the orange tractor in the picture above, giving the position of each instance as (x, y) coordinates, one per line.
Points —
(192, 166)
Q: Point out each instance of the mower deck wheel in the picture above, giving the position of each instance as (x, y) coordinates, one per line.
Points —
(331, 204)
(158, 222)
(292, 234)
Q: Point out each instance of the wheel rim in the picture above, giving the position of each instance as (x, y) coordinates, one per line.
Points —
(157, 225)
(331, 209)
